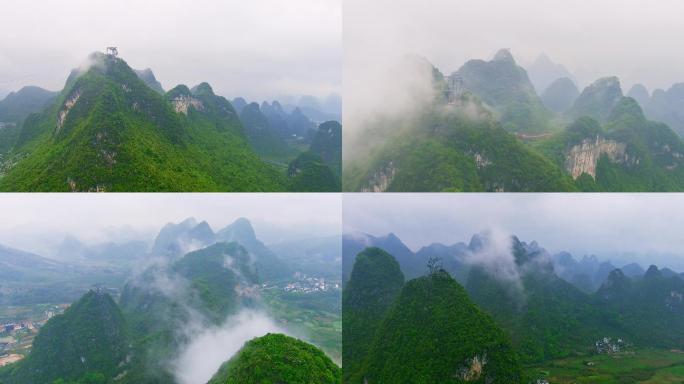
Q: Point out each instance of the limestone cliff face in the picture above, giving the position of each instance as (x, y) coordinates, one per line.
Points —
(381, 179)
(583, 157)
(68, 104)
(183, 102)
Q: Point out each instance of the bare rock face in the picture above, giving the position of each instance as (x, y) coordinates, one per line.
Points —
(481, 161)
(182, 102)
(381, 179)
(583, 157)
(68, 104)
(473, 369)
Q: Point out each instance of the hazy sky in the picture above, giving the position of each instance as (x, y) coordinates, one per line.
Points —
(636, 40)
(643, 227)
(32, 220)
(259, 49)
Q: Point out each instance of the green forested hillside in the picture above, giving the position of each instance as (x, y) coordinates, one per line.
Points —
(560, 95)
(109, 131)
(375, 283)
(447, 149)
(434, 333)
(162, 300)
(427, 330)
(546, 316)
(309, 173)
(651, 308)
(503, 85)
(485, 129)
(88, 343)
(276, 358)
(163, 310)
(263, 138)
(551, 323)
(626, 153)
(597, 100)
(16, 106)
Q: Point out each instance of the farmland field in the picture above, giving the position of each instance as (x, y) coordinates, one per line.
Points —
(644, 366)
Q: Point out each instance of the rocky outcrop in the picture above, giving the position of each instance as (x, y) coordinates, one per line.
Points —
(473, 369)
(68, 104)
(583, 157)
(381, 179)
(182, 103)
(481, 161)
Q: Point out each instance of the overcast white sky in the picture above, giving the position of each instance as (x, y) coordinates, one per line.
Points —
(31, 221)
(636, 40)
(642, 227)
(259, 49)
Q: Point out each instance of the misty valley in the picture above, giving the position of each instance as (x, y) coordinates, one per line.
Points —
(493, 125)
(496, 309)
(188, 305)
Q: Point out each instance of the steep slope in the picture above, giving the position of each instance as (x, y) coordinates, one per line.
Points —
(202, 288)
(375, 282)
(560, 95)
(546, 316)
(319, 168)
(109, 131)
(597, 100)
(263, 137)
(294, 124)
(651, 308)
(147, 76)
(16, 265)
(16, 106)
(587, 274)
(503, 85)
(451, 258)
(175, 240)
(327, 143)
(447, 150)
(277, 358)
(214, 281)
(268, 265)
(453, 142)
(353, 244)
(627, 153)
(434, 334)
(308, 173)
(90, 338)
(639, 93)
(633, 270)
(14, 109)
(666, 106)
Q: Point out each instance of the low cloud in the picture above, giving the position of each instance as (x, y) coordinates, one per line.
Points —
(201, 358)
(495, 255)
(380, 97)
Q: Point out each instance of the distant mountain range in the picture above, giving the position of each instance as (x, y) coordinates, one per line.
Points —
(113, 128)
(486, 128)
(27, 278)
(544, 72)
(587, 273)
